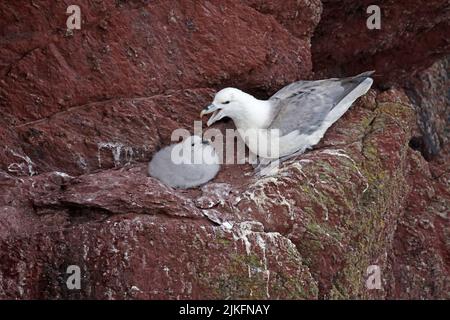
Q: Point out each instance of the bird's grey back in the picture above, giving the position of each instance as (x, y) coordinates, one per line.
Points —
(303, 105)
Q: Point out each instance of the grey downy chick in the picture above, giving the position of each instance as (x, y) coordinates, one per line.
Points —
(187, 164)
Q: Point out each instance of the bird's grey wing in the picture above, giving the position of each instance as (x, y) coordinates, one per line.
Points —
(303, 105)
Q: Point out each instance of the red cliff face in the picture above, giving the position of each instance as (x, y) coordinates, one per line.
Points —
(413, 35)
(82, 112)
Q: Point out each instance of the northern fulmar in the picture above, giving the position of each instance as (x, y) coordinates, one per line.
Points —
(297, 116)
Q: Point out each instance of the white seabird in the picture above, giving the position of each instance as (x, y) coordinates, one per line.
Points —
(299, 113)
(188, 164)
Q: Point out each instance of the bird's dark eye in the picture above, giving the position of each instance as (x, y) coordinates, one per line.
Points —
(193, 144)
(226, 102)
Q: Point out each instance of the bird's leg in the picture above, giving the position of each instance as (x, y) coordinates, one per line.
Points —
(253, 159)
(268, 169)
(256, 165)
(267, 166)
(293, 155)
(262, 162)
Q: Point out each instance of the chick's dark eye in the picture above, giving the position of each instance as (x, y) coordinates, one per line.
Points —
(226, 102)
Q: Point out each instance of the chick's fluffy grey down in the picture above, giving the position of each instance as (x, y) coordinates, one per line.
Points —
(189, 173)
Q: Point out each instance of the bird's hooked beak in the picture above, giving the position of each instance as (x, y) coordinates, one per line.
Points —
(215, 110)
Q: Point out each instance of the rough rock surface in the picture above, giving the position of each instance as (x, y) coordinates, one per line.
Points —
(413, 35)
(430, 92)
(82, 112)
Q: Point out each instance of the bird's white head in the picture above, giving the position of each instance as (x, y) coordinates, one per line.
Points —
(192, 141)
(195, 143)
(195, 150)
(229, 102)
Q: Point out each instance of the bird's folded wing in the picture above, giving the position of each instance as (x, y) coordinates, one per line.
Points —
(303, 105)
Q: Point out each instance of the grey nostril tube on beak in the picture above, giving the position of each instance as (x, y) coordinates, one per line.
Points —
(209, 109)
(217, 113)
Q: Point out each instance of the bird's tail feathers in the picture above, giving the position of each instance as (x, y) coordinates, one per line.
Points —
(366, 74)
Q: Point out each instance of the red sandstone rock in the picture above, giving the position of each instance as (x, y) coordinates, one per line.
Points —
(299, 17)
(411, 38)
(429, 92)
(138, 51)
